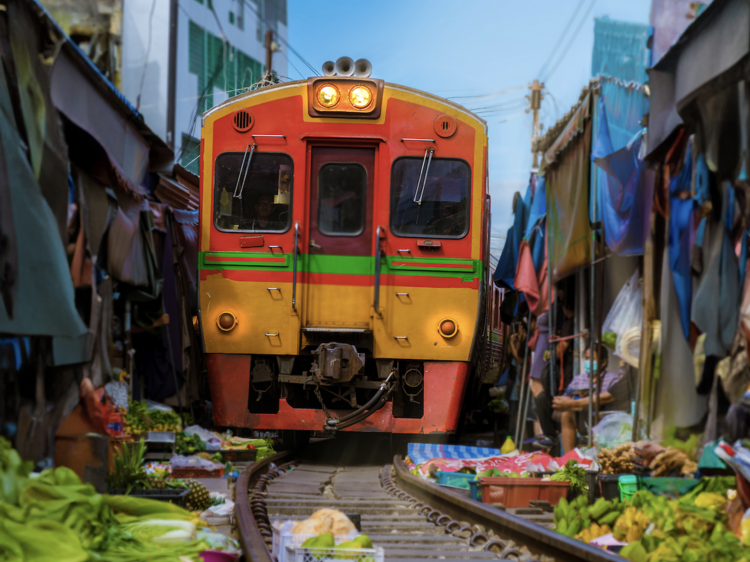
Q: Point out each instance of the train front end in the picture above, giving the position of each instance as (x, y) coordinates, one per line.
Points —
(344, 227)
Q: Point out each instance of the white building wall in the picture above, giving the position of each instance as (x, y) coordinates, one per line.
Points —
(248, 37)
(151, 70)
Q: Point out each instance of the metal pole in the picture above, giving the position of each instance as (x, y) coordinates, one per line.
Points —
(521, 416)
(592, 311)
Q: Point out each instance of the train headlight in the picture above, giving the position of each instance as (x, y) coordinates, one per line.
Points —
(328, 95)
(448, 327)
(360, 97)
(226, 321)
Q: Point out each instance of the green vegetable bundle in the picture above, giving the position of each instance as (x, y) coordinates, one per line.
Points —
(56, 517)
(140, 419)
(572, 473)
(189, 444)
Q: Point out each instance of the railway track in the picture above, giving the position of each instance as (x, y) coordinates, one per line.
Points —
(410, 518)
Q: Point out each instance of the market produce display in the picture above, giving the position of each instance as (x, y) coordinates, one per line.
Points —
(618, 460)
(670, 461)
(692, 528)
(75, 524)
(140, 419)
(572, 473)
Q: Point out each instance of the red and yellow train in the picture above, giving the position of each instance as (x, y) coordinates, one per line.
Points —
(344, 227)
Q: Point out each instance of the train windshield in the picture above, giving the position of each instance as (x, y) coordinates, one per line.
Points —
(253, 192)
(439, 206)
(342, 194)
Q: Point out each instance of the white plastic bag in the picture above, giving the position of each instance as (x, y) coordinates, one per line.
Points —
(212, 441)
(194, 461)
(624, 319)
(613, 430)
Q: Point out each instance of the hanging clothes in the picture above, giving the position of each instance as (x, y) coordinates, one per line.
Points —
(682, 233)
(715, 307)
(505, 272)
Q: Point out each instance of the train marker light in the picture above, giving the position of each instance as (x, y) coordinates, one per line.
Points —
(226, 321)
(328, 95)
(448, 327)
(360, 97)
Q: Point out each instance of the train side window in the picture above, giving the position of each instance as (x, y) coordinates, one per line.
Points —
(441, 209)
(342, 195)
(265, 187)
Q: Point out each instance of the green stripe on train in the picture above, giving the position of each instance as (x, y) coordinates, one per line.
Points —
(468, 270)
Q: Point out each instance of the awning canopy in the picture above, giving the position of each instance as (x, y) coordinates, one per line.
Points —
(709, 55)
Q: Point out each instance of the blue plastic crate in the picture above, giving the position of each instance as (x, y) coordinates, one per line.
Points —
(455, 479)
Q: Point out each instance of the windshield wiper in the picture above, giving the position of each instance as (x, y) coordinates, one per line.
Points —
(238, 186)
(424, 171)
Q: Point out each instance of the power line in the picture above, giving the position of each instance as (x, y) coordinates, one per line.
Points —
(286, 43)
(571, 40)
(148, 52)
(554, 50)
(490, 96)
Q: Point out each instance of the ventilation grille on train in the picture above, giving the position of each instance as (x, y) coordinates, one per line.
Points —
(243, 121)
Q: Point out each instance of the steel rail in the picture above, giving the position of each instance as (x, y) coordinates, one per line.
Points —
(455, 512)
(539, 540)
(252, 541)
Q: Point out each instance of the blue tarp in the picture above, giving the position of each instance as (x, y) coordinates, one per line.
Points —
(625, 190)
(621, 50)
(505, 273)
(420, 453)
(681, 237)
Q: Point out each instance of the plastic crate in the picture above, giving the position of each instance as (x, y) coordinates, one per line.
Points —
(518, 492)
(176, 496)
(607, 485)
(455, 479)
(287, 547)
(197, 473)
(335, 554)
(239, 455)
(476, 493)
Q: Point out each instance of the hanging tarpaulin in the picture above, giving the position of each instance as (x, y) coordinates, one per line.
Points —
(44, 301)
(567, 172)
(505, 272)
(618, 114)
(538, 207)
(625, 190)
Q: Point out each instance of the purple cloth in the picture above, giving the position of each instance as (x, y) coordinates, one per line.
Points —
(542, 345)
(581, 382)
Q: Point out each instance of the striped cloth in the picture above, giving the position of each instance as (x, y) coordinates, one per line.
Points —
(422, 452)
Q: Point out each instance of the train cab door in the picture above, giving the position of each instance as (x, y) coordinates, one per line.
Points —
(340, 250)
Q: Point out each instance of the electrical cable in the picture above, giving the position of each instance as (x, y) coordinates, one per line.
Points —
(554, 50)
(281, 39)
(148, 52)
(571, 40)
(490, 96)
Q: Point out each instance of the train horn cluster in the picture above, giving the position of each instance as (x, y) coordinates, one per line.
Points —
(345, 66)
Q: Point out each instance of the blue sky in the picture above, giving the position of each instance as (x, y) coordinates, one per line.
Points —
(467, 48)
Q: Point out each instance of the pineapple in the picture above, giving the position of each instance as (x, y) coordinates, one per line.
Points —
(156, 483)
(198, 499)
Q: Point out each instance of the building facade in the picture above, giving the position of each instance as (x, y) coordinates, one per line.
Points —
(182, 57)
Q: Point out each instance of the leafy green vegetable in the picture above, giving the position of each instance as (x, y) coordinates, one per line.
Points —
(573, 474)
(13, 472)
(128, 470)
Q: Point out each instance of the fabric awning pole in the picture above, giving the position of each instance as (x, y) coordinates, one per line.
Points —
(550, 310)
(522, 403)
(592, 311)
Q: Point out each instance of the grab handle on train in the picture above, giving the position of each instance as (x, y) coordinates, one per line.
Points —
(294, 268)
(377, 271)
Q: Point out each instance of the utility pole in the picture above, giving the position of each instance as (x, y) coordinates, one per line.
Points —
(536, 104)
(270, 48)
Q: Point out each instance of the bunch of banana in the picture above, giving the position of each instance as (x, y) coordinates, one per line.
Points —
(574, 517)
(630, 526)
(593, 532)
